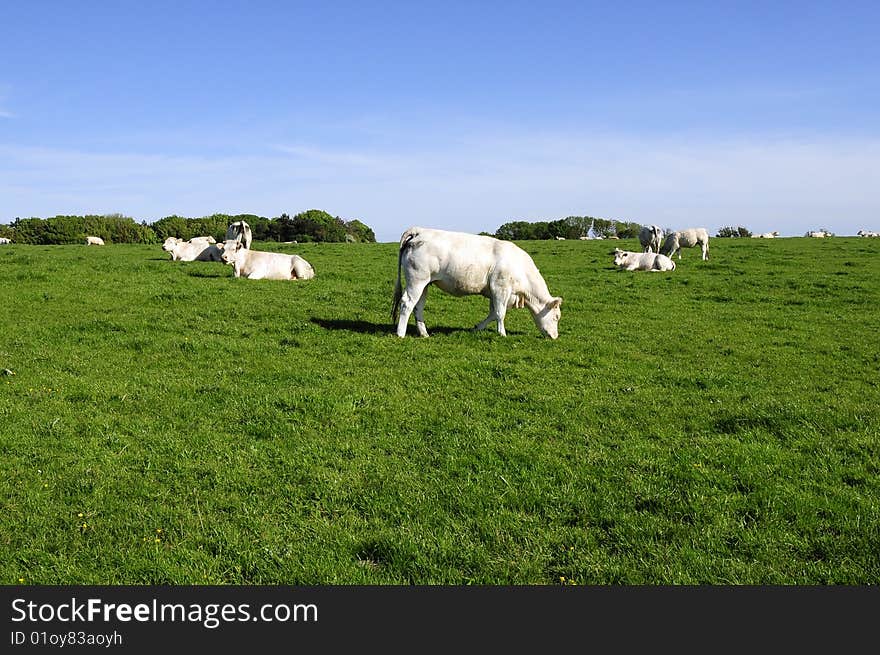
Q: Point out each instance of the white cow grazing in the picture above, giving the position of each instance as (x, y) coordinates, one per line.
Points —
(464, 264)
(868, 233)
(688, 238)
(259, 265)
(94, 241)
(239, 231)
(651, 237)
(627, 260)
(5, 240)
(191, 251)
(766, 235)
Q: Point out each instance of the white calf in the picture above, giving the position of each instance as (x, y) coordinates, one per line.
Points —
(190, 251)
(259, 265)
(692, 236)
(626, 260)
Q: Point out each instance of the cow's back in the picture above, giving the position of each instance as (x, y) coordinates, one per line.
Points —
(461, 263)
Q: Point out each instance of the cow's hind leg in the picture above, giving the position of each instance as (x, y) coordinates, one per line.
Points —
(420, 312)
(413, 294)
(491, 317)
(497, 312)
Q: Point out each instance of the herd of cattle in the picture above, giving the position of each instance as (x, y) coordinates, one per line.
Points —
(458, 263)
(659, 249)
(236, 251)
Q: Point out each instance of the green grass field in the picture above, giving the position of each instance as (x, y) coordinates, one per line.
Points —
(169, 424)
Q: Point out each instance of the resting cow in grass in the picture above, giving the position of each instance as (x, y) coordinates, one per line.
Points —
(626, 260)
(190, 251)
(94, 241)
(464, 264)
(260, 265)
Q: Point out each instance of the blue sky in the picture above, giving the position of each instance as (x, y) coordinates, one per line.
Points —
(455, 115)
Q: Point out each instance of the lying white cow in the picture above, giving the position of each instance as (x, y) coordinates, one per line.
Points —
(626, 260)
(868, 233)
(239, 231)
(259, 265)
(94, 241)
(766, 235)
(464, 264)
(651, 237)
(191, 251)
(818, 234)
(5, 240)
(692, 236)
(208, 239)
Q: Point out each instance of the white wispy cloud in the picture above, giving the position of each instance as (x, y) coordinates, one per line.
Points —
(475, 184)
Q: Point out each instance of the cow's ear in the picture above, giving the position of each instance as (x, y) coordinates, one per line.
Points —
(556, 302)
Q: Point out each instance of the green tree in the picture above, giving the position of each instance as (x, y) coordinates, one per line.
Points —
(360, 231)
(317, 224)
(733, 232)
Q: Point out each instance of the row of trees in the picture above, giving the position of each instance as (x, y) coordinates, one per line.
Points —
(311, 225)
(729, 231)
(571, 227)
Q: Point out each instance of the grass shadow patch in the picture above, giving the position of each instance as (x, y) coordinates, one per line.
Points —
(366, 327)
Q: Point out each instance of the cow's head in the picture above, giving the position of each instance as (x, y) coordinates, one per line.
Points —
(169, 244)
(228, 250)
(547, 319)
(620, 257)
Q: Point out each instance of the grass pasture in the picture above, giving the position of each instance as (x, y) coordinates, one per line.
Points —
(169, 424)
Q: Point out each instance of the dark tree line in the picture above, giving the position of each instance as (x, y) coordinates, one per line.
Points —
(571, 227)
(729, 231)
(311, 225)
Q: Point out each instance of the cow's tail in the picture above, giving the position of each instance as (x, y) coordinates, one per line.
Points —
(405, 239)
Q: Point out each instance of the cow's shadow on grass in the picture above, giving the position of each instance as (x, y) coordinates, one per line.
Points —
(366, 327)
(201, 273)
